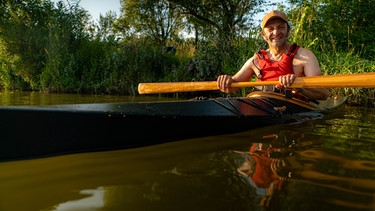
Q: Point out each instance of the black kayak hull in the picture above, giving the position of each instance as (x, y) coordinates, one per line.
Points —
(39, 131)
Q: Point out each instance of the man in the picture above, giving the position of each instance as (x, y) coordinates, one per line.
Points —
(281, 61)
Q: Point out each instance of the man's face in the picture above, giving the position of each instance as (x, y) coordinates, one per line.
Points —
(275, 32)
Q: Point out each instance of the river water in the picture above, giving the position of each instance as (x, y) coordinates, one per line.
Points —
(322, 164)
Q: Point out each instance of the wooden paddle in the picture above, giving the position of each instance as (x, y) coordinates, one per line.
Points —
(358, 80)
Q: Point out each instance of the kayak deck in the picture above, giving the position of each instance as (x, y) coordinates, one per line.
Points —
(38, 131)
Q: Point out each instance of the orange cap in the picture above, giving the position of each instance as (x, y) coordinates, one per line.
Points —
(272, 15)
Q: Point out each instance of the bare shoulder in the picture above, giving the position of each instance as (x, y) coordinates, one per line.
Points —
(305, 54)
(307, 60)
(250, 63)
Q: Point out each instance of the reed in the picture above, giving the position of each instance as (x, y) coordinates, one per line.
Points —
(336, 62)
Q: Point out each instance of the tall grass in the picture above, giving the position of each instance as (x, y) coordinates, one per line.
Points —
(333, 62)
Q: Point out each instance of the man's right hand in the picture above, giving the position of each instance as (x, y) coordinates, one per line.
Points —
(224, 82)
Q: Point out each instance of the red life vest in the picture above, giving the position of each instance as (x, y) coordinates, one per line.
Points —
(271, 70)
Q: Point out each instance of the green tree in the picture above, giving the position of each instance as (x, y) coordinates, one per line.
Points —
(158, 20)
(41, 36)
(106, 31)
(226, 18)
(342, 25)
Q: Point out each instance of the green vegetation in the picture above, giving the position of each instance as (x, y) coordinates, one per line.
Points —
(56, 48)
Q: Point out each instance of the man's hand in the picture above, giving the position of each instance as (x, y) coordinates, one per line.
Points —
(224, 82)
(286, 81)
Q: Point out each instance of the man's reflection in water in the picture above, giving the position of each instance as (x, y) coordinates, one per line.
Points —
(276, 160)
(266, 169)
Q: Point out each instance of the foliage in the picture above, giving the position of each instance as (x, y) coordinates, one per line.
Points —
(226, 18)
(340, 24)
(339, 32)
(339, 62)
(158, 20)
(41, 37)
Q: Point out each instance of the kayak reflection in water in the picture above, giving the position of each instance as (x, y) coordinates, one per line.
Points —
(265, 169)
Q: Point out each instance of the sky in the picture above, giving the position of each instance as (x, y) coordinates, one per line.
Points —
(97, 7)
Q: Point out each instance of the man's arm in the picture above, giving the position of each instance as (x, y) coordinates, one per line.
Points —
(244, 74)
(310, 67)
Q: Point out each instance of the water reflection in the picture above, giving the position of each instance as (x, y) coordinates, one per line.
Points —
(334, 181)
(93, 201)
(286, 170)
(317, 165)
(325, 164)
(265, 168)
(10, 98)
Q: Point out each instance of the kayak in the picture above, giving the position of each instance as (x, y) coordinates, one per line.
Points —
(40, 131)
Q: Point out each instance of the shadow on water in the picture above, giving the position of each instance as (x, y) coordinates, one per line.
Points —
(324, 164)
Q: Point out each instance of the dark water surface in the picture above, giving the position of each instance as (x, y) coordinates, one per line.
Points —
(323, 164)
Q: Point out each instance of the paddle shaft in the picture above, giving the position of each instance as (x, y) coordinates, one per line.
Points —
(358, 80)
